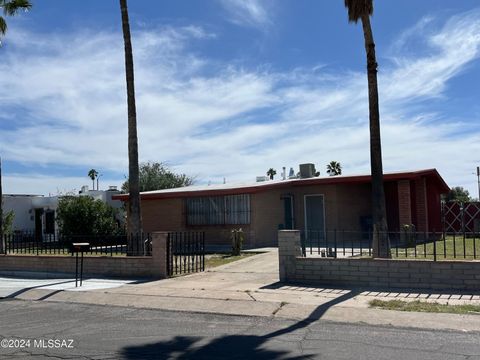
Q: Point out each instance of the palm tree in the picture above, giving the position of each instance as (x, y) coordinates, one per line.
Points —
(9, 8)
(361, 10)
(271, 173)
(134, 215)
(334, 168)
(93, 174)
(2, 244)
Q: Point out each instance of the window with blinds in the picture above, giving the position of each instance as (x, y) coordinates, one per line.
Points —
(218, 210)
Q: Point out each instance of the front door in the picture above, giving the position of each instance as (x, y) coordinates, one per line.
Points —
(288, 212)
(315, 218)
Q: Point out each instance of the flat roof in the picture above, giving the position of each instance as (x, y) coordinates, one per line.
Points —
(248, 188)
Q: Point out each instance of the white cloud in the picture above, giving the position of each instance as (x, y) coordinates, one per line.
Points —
(252, 13)
(236, 123)
(39, 184)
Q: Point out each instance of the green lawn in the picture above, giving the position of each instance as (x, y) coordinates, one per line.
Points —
(450, 248)
(214, 260)
(422, 306)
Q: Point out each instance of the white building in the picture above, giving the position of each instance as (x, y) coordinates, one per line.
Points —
(37, 213)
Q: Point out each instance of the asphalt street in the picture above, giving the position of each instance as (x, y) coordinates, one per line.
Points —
(70, 331)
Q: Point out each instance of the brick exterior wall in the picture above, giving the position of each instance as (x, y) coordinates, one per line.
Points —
(381, 273)
(421, 204)
(154, 266)
(404, 203)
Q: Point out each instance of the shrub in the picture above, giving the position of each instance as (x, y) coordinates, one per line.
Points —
(237, 237)
(83, 215)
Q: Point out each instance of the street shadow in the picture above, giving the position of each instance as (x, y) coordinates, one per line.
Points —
(230, 346)
(374, 291)
(25, 289)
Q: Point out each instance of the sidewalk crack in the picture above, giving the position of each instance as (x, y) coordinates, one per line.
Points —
(249, 294)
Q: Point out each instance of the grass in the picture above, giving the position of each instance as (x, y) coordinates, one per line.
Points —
(214, 260)
(449, 248)
(422, 306)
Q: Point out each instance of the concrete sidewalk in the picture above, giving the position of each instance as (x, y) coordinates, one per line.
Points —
(251, 287)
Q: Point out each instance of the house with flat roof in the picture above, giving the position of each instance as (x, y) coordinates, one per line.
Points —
(310, 203)
(37, 213)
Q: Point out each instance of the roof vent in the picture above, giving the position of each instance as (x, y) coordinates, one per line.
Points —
(307, 171)
(291, 174)
(262, 178)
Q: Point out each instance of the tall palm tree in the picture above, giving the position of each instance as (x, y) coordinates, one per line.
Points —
(361, 10)
(134, 215)
(334, 168)
(9, 8)
(2, 244)
(93, 174)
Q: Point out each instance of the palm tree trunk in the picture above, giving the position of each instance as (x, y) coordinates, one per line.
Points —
(134, 214)
(381, 243)
(2, 244)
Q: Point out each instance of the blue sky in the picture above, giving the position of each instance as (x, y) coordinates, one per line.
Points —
(230, 88)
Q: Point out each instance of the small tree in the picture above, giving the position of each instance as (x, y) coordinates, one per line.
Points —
(334, 168)
(157, 176)
(83, 215)
(8, 222)
(271, 173)
(458, 194)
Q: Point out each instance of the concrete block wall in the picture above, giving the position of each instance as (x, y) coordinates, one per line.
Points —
(122, 267)
(382, 273)
(154, 266)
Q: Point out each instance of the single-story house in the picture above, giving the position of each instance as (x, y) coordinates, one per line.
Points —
(37, 213)
(313, 203)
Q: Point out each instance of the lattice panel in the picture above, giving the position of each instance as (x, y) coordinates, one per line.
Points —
(458, 217)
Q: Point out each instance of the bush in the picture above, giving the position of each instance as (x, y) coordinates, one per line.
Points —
(83, 215)
(237, 237)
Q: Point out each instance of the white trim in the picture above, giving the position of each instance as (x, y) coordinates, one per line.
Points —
(305, 213)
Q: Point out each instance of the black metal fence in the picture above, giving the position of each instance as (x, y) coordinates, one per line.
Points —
(404, 244)
(29, 243)
(185, 252)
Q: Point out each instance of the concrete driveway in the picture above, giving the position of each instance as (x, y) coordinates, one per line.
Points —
(237, 279)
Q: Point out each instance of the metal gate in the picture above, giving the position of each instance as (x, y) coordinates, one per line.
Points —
(461, 217)
(185, 252)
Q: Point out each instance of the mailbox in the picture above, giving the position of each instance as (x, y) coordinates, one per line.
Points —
(80, 247)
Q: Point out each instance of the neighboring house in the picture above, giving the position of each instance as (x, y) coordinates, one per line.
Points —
(22, 206)
(312, 203)
(37, 213)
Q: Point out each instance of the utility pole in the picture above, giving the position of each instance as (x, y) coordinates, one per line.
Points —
(478, 181)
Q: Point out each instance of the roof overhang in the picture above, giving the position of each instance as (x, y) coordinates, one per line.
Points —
(261, 187)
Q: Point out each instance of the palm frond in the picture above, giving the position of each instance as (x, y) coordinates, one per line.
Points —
(3, 26)
(357, 8)
(11, 7)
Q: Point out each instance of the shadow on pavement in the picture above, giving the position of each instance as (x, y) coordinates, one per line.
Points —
(394, 293)
(230, 346)
(25, 289)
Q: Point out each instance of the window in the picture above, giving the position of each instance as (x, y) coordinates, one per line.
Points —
(218, 210)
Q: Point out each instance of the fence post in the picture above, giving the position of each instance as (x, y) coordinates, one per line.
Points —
(160, 254)
(289, 247)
